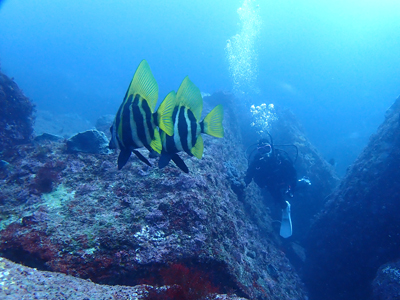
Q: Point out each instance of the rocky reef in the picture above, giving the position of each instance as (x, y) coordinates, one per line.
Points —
(358, 230)
(197, 234)
(16, 115)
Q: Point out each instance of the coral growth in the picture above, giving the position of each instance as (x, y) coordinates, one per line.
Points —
(191, 284)
(47, 176)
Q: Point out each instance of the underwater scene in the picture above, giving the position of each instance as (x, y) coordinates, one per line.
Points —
(199, 150)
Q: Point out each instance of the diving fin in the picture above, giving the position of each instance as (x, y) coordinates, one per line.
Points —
(286, 224)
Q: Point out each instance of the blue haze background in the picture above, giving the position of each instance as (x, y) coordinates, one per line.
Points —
(334, 63)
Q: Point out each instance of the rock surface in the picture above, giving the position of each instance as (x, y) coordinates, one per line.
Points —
(75, 213)
(18, 282)
(89, 141)
(201, 233)
(16, 115)
(358, 231)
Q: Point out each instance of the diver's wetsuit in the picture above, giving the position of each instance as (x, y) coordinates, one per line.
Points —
(276, 172)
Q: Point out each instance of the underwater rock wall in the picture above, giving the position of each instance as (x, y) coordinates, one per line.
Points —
(77, 214)
(16, 117)
(358, 231)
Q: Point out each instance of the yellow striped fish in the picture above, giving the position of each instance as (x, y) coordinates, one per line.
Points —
(187, 128)
(135, 124)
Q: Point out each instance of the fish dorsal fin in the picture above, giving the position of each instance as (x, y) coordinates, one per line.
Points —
(189, 95)
(144, 84)
(197, 150)
(164, 114)
(213, 122)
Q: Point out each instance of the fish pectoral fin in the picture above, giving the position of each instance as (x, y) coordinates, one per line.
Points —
(189, 95)
(180, 163)
(212, 123)
(142, 158)
(164, 114)
(198, 148)
(155, 144)
(144, 84)
(123, 158)
(164, 160)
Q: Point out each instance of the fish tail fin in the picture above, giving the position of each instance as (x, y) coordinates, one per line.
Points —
(212, 123)
(164, 114)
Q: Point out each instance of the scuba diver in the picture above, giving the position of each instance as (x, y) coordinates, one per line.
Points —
(272, 168)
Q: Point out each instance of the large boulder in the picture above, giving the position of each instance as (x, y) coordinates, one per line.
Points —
(358, 230)
(89, 141)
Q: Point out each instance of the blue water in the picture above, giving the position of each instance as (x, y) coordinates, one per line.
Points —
(334, 63)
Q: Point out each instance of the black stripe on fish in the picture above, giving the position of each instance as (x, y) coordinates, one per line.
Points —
(183, 130)
(193, 126)
(127, 138)
(138, 118)
(149, 119)
(170, 146)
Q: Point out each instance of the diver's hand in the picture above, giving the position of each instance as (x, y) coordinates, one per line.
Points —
(303, 182)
